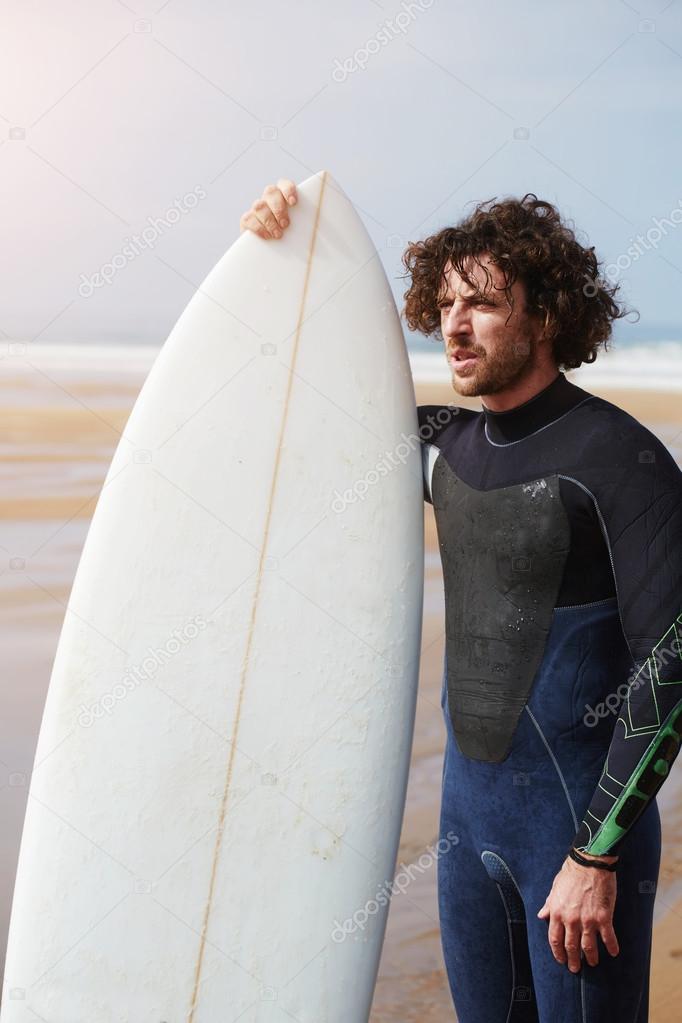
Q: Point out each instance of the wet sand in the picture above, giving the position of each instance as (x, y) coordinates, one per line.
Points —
(61, 426)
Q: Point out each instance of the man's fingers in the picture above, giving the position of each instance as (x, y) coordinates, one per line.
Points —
(275, 199)
(556, 938)
(572, 946)
(589, 947)
(261, 210)
(269, 215)
(250, 222)
(288, 190)
(608, 936)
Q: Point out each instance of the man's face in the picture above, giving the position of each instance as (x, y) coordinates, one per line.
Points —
(487, 349)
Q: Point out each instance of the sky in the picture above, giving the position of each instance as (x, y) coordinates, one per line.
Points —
(169, 118)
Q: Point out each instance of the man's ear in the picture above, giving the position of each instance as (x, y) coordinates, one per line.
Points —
(541, 319)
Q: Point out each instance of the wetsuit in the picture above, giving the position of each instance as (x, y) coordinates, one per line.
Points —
(560, 532)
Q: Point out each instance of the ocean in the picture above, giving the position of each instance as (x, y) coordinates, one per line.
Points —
(632, 362)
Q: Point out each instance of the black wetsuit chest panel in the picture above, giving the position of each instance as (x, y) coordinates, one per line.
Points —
(504, 553)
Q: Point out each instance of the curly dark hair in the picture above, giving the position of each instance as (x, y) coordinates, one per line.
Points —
(528, 240)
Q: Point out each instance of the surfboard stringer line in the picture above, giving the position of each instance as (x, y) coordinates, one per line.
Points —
(254, 609)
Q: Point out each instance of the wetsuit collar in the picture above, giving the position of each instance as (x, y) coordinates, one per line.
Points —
(552, 402)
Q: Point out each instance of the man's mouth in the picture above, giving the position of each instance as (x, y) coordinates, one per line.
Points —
(462, 357)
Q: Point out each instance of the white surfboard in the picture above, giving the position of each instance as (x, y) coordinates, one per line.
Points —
(216, 803)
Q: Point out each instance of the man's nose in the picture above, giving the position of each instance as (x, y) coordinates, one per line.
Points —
(457, 319)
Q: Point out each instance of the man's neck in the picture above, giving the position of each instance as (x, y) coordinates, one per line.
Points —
(537, 380)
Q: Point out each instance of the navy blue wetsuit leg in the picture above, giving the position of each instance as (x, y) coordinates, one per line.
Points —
(514, 821)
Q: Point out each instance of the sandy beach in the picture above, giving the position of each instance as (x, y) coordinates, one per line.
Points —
(61, 426)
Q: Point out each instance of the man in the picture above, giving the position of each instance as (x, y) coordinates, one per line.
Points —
(559, 519)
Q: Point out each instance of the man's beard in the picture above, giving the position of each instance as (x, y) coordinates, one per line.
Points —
(495, 371)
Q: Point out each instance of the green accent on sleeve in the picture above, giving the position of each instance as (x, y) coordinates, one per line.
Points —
(643, 785)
